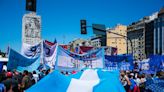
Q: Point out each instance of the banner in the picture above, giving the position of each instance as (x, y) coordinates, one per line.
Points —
(92, 59)
(122, 62)
(49, 54)
(31, 51)
(156, 62)
(20, 62)
(67, 60)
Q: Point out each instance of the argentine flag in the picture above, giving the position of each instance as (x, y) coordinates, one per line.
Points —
(89, 80)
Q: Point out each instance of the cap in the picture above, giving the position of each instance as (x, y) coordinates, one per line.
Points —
(9, 74)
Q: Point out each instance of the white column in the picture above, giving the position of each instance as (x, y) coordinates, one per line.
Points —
(158, 40)
(154, 41)
(162, 40)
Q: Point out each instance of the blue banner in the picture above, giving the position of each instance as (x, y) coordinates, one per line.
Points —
(1, 66)
(156, 62)
(20, 62)
(122, 62)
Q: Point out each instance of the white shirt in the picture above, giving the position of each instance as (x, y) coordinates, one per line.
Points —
(36, 77)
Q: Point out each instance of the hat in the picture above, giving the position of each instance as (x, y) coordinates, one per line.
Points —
(9, 74)
(132, 74)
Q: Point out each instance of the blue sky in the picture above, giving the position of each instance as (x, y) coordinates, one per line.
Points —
(61, 18)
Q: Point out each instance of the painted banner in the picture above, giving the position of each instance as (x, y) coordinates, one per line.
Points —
(121, 62)
(93, 59)
(67, 60)
(31, 51)
(49, 53)
(21, 63)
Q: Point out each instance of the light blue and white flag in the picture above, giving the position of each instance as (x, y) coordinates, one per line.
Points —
(87, 81)
(21, 63)
(49, 54)
(31, 51)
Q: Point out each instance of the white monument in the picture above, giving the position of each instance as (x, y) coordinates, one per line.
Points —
(31, 28)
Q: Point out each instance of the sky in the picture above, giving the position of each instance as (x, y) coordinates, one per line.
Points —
(61, 18)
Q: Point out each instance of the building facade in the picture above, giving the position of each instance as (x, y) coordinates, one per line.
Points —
(136, 33)
(141, 34)
(149, 39)
(96, 41)
(159, 33)
(118, 41)
(31, 28)
(149, 35)
(77, 42)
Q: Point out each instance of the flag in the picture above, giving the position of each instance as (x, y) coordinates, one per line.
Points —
(7, 51)
(114, 51)
(21, 63)
(90, 80)
(49, 53)
(55, 41)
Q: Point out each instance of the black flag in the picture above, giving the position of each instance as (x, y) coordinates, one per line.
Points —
(31, 5)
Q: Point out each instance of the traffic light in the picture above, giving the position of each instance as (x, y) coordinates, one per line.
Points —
(31, 5)
(83, 26)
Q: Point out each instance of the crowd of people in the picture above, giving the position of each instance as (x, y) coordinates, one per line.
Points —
(18, 82)
(136, 82)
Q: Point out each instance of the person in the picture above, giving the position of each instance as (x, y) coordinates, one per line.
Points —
(125, 81)
(73, 72)
(10, 83)
(26, 81)
(35, 76)
(2, 86)
(133, 86)
(138, 80)
(142, 84)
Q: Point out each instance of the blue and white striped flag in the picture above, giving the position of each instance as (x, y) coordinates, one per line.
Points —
(87, 81)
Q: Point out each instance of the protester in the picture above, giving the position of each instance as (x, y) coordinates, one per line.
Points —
(10, 83)
(26, 81)
(2, 86)
(131, 80)
(35, 76)
(125, 81)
